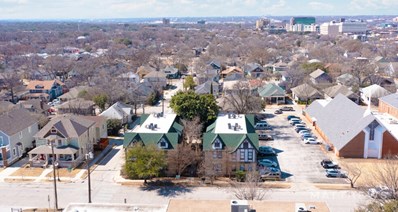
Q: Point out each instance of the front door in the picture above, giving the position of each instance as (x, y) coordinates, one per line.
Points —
(19, 148)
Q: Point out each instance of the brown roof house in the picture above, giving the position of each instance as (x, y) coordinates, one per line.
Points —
(320, 77)
(72, 138)
(305, 92)
(351, 131)
(389, 104)
(78, 107)
(17, 128)
(46, 90)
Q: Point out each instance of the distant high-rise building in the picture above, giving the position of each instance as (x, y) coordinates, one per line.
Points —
(334, 28)
(262, 23)
(201, 22)
(302, 24)
(166, 21)
(395, 19)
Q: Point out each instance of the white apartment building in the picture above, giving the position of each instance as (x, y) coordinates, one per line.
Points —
(301, 28)
(347, 27)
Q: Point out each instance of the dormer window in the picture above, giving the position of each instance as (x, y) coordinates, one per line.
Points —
(163, 144)
(217, 144)
(245, 144)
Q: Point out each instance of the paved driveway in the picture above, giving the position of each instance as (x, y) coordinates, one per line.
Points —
(299, 162)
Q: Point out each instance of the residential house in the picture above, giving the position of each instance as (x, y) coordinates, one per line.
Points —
(305, 92)
(234, 77)
(215, 64)
(272, 93)
(231, 143)
(35, 106)
(333, 91)
(351, 131)
(346, 79)
(171, 72)
(231, 70)
(155, 80)
(208, 74)
(320, 77)
(144, 70)
(17, 128)
(45, 90)
(6, 106)
(209, 87)
(77, 106)
(277, 67)
(73, 93)
(389, 104)
(72, 137)
(372, 93)
(161, 130)
(119, 111)
(128, 78)
(254, 70)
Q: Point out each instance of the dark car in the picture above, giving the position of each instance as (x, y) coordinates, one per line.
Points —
(266, 150)
(265, 137)
(292, 116)
(286, 108)
(328, 164)
(298, 129)
(278, 111)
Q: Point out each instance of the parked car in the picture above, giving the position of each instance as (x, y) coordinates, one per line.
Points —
(300, 129)
(263, 121)
(269, 173)
(286, 108)
(262, 126)
(311, 140)
(334, 173)
(278, 111)
(381, 192)
(266, 137)
(303, 137)
(289, 117)
(327, 164)
(267, 163)
(304, 132)
(299, 125)
(294, 123)
(266, 150)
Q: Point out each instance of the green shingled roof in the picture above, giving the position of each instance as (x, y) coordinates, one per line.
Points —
(172, 136)
(231, 141)
(271, 90)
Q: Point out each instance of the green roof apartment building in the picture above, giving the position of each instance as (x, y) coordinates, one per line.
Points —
(231, 143)
(302, 24)
(155, 129)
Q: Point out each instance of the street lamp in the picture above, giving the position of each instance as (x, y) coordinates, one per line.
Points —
(89, 156)
(56, 163)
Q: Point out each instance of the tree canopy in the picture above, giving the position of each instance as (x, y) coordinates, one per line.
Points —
(100, 100)
(145, 162)
(189, 105)
(189, 84)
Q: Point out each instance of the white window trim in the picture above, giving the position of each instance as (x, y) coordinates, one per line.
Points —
(165, 142)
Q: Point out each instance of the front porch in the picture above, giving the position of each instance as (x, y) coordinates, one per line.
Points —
(66, 156)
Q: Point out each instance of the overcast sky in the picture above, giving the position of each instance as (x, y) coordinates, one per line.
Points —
(77, 9)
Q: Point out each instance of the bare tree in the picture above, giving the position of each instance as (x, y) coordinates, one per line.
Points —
(182, 157)
(240, 99)
(385, 174)
(252, 189)
(353, 172)
(192, 130)
(11, 81)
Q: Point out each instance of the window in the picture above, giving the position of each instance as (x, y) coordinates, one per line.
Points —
(242, 155)
(14, 151)
(372, 126)
(59, 142)
(30, 129)
(53, 130)
(1, 141)
(20, 134)
(242, 167)
(246, 145)
(233, 156)
(163, 144)
(250, 155)
(217, 167)
(217, 154)
(217, 144)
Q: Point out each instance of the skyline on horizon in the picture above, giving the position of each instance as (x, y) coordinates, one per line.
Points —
(108, 9)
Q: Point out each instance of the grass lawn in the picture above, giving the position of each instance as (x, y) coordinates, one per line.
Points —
(28, 172)
(63, 172)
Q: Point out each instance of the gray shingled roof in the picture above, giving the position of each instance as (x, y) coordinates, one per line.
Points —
(391, 99)
(377, 91)
(339, 89)
(67, 125)
(305, 91)
(16, 120)
(341, 119)
(317, 73)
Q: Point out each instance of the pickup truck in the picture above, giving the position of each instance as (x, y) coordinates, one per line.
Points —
(329, 164)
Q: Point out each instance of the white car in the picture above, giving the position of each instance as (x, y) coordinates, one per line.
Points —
(303, 132)
(311, 141)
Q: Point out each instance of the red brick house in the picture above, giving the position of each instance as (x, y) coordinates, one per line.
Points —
(389, 104)
(352, 131)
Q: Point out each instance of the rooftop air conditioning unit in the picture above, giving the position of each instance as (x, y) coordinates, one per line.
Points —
(239, 206)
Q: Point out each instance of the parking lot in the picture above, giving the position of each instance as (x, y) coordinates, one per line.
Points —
(299, 162)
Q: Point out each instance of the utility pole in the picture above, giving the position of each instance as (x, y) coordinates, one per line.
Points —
(54, 178)
(89, 156)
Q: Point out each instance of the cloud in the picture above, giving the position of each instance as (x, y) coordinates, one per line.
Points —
(14, 1)
(320, 6)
